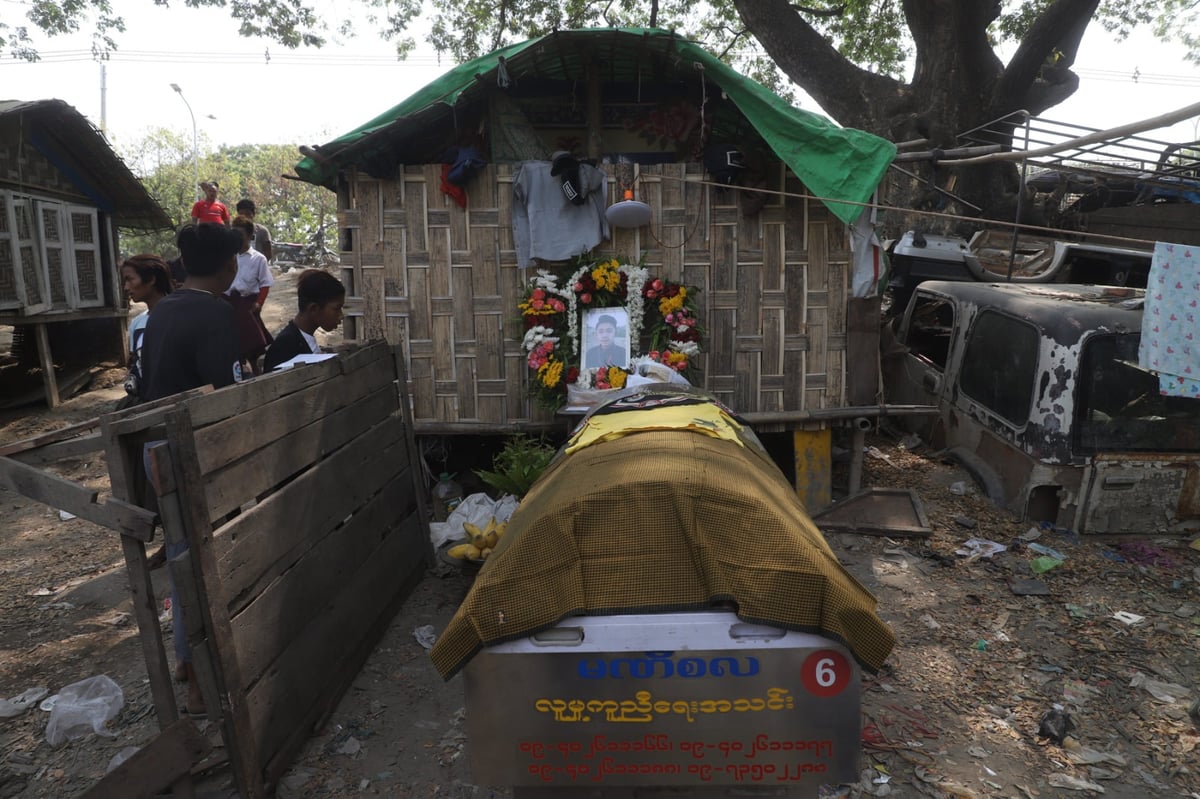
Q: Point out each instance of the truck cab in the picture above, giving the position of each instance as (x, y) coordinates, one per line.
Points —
(1042, 398)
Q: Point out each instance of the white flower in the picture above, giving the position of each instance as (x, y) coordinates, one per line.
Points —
(535, 335)
(688, 348)
(545, 280)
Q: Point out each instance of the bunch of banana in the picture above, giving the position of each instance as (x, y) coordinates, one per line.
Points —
(480, 543)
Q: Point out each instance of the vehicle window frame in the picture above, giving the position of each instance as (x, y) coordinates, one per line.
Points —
(913, 330)
(967, 368)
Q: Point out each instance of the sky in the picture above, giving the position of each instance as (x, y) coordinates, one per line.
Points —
(240, 96)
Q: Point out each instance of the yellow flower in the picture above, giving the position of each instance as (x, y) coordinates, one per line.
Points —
(616, 377)
(550, 373)
(671, 304)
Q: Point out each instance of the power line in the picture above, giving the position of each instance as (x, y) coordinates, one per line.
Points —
(264, 58)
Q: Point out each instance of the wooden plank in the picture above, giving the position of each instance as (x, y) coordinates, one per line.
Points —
(54, 436)
(228, 489)
(265, 628)
(340, 680)
(58, 492)
(193, 506)
(148, 415)
(49, 453)
(335, 641)
(126, 473)
(46, 361)
(223, 442)
(155, 766)
(266, 539)
(420, 488)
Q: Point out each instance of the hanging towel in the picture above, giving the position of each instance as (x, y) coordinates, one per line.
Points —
(1169, 343)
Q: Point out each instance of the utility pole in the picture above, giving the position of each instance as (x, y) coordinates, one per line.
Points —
(195, 141)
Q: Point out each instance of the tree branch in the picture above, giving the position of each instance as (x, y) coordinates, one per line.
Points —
(1045, 54)
(848, 93)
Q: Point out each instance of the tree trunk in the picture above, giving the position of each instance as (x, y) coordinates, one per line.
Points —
(958, 84)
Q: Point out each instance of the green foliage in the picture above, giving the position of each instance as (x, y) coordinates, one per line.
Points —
(292, 210)
(518, 466)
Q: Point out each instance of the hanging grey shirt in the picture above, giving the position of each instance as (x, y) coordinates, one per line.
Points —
(546, 224)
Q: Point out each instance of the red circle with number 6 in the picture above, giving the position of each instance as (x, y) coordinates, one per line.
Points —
(826, 673)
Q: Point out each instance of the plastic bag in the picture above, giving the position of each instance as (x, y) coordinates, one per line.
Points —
(84, 707)
(478, 509)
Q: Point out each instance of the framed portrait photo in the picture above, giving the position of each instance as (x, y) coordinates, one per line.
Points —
(605, 337)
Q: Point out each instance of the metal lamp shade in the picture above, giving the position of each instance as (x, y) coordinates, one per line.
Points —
(628, 214)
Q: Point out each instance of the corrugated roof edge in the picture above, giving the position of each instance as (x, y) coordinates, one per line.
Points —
(127, 199)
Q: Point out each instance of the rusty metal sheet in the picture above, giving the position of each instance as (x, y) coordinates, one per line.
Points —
(877, 511)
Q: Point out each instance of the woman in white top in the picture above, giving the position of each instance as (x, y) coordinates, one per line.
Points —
(247, 294)
(147, 279)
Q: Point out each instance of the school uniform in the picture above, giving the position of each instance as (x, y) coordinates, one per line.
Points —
(288, 343)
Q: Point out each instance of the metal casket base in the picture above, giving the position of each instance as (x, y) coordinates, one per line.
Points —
(664, 705)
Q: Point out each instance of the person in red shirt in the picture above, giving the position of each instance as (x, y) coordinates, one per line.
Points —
(210, 209)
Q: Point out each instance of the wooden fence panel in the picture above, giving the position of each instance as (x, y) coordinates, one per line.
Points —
(284, 600)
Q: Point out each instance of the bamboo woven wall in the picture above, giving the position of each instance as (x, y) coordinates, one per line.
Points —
(442, 282)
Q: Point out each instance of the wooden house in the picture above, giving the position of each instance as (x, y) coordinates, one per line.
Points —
(768, 251)
(63, 194)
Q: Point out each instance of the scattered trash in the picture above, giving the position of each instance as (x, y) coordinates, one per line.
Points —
(930, 622)
(966, 521)
(1044, 564)
(1165, 692)
(1078, 753)
(10, 708)
(425, 635)
(1032, 534)
(958, 488)
(84, 707)
(1078, 692)
(1055, 724)
(1185, 611)
(1042, 549)
(43, 592)
(912, 441)
(48, 703)
(121, 757)
(1028, 587)
(1115, 557)
(1144, 554)
(118, 619)
(980, 645)
(974, 548)
(877, 454)
(1077, 611)
(165, 616)
(1125, 617)
(1074, 783)
(65, 516)
(351, 746)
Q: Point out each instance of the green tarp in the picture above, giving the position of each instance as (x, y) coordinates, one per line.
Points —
(834, 163)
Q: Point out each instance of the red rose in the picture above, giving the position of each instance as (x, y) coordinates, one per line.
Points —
(572, 374)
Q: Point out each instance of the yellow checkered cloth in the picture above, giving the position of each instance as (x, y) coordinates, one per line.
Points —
(658, 522)
(706, 419)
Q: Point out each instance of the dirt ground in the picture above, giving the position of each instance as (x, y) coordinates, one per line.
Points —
(955, 712)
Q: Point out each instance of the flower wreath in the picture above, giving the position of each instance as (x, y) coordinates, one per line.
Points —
(662, 315)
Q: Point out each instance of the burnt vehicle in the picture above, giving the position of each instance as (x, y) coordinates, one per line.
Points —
(1042, 399)
(989, 257)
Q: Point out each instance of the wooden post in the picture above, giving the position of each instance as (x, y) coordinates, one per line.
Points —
(862, 350)
(49, 380)
(813, 451)
(595, 139)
